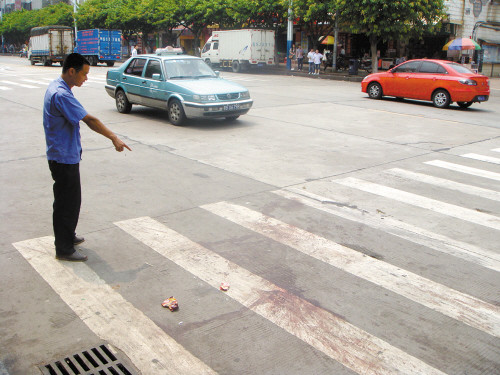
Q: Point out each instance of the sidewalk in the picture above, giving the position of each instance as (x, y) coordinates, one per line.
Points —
(343, 75)
(338, 76)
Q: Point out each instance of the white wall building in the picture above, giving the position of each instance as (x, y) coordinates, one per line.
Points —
(480, 21)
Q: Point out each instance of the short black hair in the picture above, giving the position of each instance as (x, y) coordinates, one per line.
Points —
(74, 60)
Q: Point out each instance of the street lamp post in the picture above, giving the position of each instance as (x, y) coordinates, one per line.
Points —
(74, 19)
(335, 36)
(289, 35)
(1, 19)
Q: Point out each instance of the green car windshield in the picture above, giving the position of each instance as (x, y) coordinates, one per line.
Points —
(188, 69)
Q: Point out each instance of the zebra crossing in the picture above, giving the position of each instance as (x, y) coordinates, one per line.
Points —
(14, 82)
(9, 81)
(358, 349)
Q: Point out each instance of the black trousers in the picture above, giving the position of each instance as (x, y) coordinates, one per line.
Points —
(67, 201)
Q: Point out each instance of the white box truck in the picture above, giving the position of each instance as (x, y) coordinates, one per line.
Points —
(49, 44)
(240, 49)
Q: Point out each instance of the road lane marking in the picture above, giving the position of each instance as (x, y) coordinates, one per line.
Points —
(496, 149)
(340, 340)
(33, 81)
(452, 303)
(447, 184)
(410, 115)
(5, 88)
(108, 314)
(458, 212)
(396, 228)
(464, 169)
(20, 85)
(485, 158)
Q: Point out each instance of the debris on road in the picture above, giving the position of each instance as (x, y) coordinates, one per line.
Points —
(224, 286)
(171, 303)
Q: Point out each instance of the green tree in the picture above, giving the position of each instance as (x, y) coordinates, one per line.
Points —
(199, 14)
(316, 18)
(258, 13)
(16, 26)
(94, 14)
(124, 15)
(58, 14)
(383, 20)
(165, 15)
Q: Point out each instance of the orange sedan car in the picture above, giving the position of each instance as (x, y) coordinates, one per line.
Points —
(440, 81)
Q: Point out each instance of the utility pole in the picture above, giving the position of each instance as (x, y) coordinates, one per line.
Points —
(1, 19)
(289, 35)
(335, 38)
(74, 19)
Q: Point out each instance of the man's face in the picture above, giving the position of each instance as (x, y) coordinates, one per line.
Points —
(80, 77)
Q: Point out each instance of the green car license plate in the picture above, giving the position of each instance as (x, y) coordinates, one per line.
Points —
(231, 107)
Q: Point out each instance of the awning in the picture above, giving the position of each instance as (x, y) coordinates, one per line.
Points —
(488, 33)
(327, 39)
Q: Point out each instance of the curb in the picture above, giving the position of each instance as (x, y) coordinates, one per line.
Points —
(280, 70)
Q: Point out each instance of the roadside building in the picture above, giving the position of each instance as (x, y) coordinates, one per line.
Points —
(480, 21)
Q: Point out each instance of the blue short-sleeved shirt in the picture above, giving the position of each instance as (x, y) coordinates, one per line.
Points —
(62, 113)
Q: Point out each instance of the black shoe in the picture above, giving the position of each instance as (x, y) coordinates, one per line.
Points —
(76, 256)
(78, 240)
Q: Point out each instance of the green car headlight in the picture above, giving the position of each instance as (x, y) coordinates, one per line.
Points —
(245, 95)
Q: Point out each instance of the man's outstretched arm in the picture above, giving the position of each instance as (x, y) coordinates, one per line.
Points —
(96, 125)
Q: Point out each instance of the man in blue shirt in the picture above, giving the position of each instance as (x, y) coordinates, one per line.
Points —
(62, 114)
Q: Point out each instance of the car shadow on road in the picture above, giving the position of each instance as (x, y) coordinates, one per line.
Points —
(208, 124)
(452, 107)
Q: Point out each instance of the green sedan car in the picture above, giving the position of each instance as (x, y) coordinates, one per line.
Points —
(183, 85)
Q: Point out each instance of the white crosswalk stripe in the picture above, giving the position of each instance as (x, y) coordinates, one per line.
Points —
(458, 212)
(488, 159)
(245, 79)
(20, 85)
(42, 82)
(110, 316)
(116, 320)
(397, 228)
(447, 184)
(452, 303)
(33, 81)
(464, 169)
(349, 345)
(93, 82)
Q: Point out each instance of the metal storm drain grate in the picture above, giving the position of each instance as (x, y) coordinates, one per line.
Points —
(101, 360)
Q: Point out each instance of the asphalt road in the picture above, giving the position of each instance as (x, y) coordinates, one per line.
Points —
(357, 236)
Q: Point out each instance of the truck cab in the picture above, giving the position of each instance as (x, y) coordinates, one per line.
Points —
(210, 51)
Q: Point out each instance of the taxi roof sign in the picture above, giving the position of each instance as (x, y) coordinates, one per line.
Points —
(169, 51)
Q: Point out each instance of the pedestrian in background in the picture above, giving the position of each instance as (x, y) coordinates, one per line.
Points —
(62, 114)
(310, 57)
(291, 56)
(317, 62)
(134, 50)
(300, 58)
